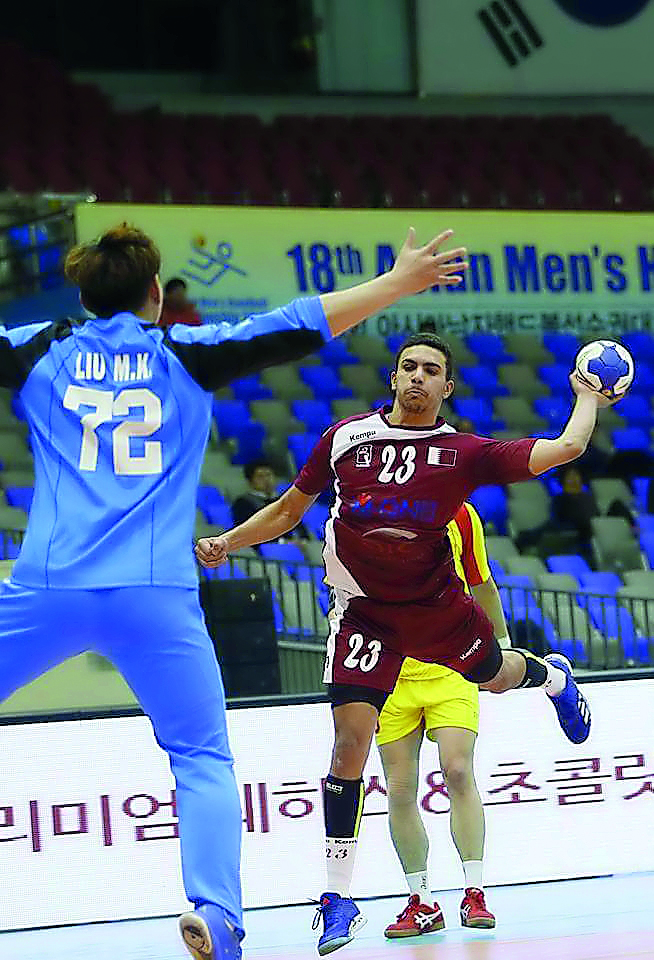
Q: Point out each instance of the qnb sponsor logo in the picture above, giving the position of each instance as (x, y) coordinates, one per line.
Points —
(469, 652)
(394, 507)
(511, 30)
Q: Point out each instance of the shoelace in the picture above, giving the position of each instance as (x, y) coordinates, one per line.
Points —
(317, 915)
(408, 910)
(478, 897)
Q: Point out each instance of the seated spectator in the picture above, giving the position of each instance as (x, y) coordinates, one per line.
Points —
(177, 308)
(575, 506)
(263, 490)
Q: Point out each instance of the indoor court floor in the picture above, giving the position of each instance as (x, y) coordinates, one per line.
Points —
(596, 919)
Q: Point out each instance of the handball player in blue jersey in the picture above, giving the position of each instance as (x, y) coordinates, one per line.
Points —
(119, 414)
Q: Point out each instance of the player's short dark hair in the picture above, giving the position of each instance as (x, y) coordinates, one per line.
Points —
(114, 273)
(175, 283)
(428, 340)
(250, 468)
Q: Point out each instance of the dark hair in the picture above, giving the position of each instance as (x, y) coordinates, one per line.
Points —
(114, 274)
(250, 468)
(175, 283)
(428, 340)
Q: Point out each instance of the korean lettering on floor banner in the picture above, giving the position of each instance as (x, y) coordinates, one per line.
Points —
(89, 831)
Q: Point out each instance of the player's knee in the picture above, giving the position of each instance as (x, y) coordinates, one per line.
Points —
(458, 773)
(402, 789)
(350, 751)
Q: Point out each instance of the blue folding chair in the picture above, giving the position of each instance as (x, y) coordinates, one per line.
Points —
(643, 381)
(336, 354)
(314, 414)
(483, 381)
(209, 499)
(232, 417)
(641, 345)
(20, 497)
(571, 563)
(601, 582)
(315, 519)
(556, 376)
(249, 444)
(301, 445)
(641, 490)
(564, 346)
(636, 410)
(630, 438)
(479, 410)
(250, 388)
(489, 347)
(555, 409)
(491, 504)
(293, 561)
(324, 382)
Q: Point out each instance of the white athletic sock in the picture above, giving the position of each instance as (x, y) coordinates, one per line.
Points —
(472, 871)
(341, 854)
(419, 883)
(556, 680)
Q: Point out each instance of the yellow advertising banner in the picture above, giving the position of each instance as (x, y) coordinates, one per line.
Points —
(528, 270)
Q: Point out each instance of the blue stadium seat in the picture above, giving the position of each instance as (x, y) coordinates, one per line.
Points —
(556, 376)
(630, 438)
(249, 444)
(301, 445)
(636, 410)
(490, 503)
(9, 548)
(496, 568)
(479, 410)
(210, 500)
(555, 409)
(483, 381)
(293, 561)
(552, 483)
(395, 340)
(489, 347)
(315, 414)
(232, 417)
(571, 563)
(20, 497)
(643, 380)
(564, 346)
(335, 353)
(614, 622)
(315, 519)
(641, 490)
(601, 582)
(645, 521)
(224, 572)
(641, 345)
(324, 382)
(250, 388)
(516, 589)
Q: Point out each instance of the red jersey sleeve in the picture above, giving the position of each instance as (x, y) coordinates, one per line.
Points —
(316, 474)
(502, 461)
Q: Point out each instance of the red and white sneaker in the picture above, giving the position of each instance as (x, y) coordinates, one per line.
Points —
(416, 918)
(474, 912)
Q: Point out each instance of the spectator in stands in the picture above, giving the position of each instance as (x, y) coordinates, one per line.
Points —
(263, 490)
(574, 507)
(177, 308)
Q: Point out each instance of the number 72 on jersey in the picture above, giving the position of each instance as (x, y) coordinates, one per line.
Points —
(105, 405)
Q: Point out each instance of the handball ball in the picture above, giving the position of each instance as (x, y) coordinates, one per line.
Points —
(606, 367)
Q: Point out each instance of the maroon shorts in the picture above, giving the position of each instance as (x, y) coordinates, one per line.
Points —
(368, 640)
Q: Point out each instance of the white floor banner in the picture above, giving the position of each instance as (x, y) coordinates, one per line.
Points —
(88, 829)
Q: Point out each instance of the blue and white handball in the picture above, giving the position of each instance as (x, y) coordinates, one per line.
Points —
(606, 367)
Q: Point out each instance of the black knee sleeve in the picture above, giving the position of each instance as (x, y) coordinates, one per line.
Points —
(343, 806)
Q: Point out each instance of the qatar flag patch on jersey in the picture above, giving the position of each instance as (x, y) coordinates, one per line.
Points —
(441, 457)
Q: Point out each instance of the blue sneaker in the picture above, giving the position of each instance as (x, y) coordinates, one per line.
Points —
(208, 934)
(342, 919)
(571, 705)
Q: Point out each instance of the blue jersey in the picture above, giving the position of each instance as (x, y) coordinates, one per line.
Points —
(119, 415)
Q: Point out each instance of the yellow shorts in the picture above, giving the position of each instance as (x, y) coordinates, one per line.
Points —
(449, 701)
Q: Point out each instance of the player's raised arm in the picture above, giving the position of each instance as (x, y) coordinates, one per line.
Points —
(416, 269)
(269, 523)
(546, 454)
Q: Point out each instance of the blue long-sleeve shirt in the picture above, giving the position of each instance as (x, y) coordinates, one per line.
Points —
(119, 415)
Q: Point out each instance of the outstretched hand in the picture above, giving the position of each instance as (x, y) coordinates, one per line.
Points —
(418, 268)
(579, 388)
(211, 551)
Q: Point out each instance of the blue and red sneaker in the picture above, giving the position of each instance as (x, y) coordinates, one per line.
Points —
(208, 934)
(571, 705)
(342, 919)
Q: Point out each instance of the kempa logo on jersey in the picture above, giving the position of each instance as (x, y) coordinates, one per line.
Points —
(362, 436)
(469, 652)
(511, 30)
